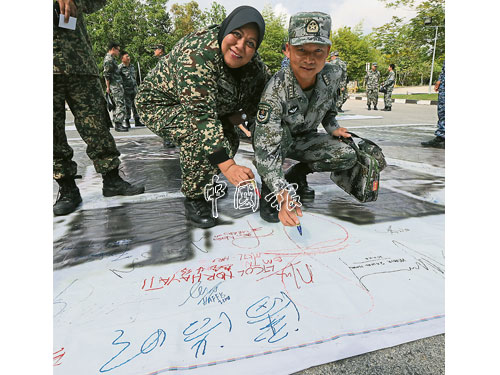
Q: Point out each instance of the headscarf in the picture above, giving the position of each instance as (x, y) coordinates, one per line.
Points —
(241, 16)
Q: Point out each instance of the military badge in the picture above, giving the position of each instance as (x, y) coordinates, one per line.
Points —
(312, 27)
(263, 113)
(292, 110)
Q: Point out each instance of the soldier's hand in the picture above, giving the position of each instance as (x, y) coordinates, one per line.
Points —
(289, 210)
(436, 86)
(108, 90)
(68, 8)
(235, 173)
(341, 132)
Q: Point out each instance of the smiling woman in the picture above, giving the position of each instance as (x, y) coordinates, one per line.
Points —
(198, 93)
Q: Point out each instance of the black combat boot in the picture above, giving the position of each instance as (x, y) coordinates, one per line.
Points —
(199, 212)
(268, 213)
(340, 110)
(68, 197)
(437, 142)
(297, 175)
(375, 108)
(120, 128)
(138, 123)
(388, 109)
(369, 107)
(113, 185)
(127, 124)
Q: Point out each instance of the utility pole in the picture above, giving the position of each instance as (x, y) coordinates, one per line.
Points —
(428, 22)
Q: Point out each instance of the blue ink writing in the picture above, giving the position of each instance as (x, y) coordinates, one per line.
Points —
(271, 314)
(200, 331)
(148, 345)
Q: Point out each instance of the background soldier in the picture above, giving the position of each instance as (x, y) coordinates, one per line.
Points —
(294, 102)
(372, 79)
(114, 85)
(335, 60)
(76, 81)
(127, 71)
(388, 85)
(159, 50)
(438, 141)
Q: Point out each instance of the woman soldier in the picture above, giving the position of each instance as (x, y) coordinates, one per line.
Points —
(208, 83)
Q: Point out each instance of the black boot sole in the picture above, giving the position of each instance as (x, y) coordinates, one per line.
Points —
(269, 218)
(202, 225)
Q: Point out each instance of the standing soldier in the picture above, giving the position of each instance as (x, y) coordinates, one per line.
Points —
(342, 94)
(294, 103)
(114, 85)
(438, 140)
(127, 72)
(76, 81)
(388, 85)
(372, 79)
(159, 51)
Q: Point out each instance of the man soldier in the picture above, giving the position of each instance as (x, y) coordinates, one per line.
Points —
(159, 51)
(114, 86)
(127, 71)
(439, 140)
(335, 59)
(293, 104)
(388, 85)
(76, 81)
(372, 79)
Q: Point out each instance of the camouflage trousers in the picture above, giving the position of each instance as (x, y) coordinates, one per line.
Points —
(129, 96)
(342, 97)
(174, 124)
(321, 152)
(388, 98)
(120, 112)
(83, 93)
(440, 109)
(372, 96)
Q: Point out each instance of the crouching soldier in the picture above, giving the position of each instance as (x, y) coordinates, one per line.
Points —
(293, 104)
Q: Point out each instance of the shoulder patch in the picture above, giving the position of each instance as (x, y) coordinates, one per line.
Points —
(263, 113)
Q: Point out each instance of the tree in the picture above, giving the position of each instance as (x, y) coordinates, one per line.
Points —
(410, 45)
(275, 36)
(213, 16)
(134, 24)
(355, 49)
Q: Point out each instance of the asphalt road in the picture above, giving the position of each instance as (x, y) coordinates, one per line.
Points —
(421, 357)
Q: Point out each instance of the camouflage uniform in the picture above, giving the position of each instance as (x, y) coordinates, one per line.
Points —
(342, 97)
(76, 81)
(287, 126)
(112, 74)
(186, 98)
(389, 85)
(372, 79)
(129, 89)
(440, 107)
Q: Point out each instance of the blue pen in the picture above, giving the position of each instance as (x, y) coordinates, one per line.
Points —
(299, 228)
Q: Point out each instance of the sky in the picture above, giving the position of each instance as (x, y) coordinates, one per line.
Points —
(343, 12)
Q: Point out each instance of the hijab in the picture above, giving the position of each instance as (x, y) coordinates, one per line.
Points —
(241, 16)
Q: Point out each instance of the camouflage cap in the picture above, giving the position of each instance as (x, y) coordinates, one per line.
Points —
(309, 27)
(336, 53)
(158, 46)
(374, 64)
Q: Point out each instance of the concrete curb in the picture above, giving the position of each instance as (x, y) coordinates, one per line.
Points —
(401, 101)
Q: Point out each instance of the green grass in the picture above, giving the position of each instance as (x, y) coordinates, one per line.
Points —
(416, 96)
